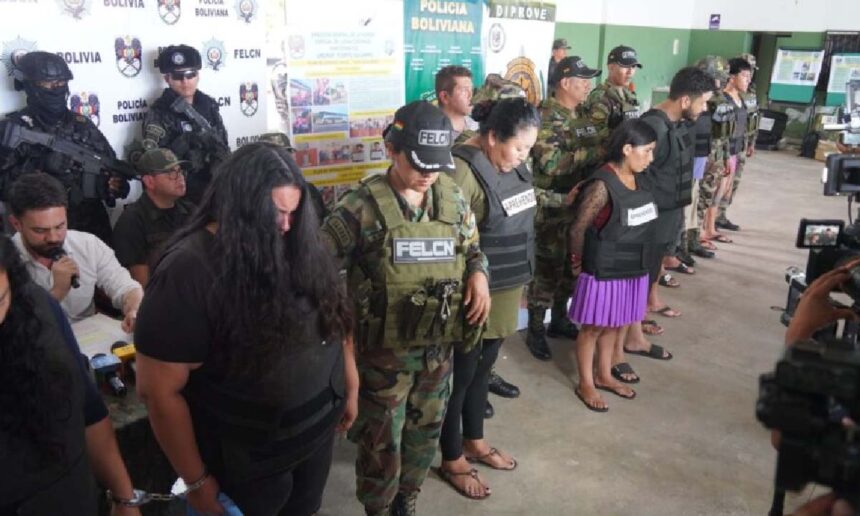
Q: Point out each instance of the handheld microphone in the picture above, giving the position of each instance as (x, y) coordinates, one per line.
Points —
(106, 367)
(58, 253)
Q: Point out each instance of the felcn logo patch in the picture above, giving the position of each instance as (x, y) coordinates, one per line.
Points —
(424, 250)
(434, 138)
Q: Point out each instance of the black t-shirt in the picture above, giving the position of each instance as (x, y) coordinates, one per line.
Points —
(143, 228)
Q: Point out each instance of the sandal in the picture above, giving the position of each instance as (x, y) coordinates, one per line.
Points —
(667, 311)
(656, 352)
(618, 370)
(723, 239)
(616, 392)
(708, 245)
(493, 451)
(682, 267)
(448, 476)
(588, 405)
(667, 280)
(650, 327)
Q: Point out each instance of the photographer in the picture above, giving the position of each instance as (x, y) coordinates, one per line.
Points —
(815, 311)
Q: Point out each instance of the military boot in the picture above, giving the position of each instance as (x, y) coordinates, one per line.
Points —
(696, 246)
(536, 336)
(684, 250)
(560, 326)
(404, 505)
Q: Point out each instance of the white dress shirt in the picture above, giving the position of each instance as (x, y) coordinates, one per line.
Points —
(98, 267)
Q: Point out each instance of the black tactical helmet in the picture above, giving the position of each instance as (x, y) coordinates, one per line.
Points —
(41, 66)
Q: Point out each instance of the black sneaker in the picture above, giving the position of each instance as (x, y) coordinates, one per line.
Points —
(404, 505)
(727, 224)
(500, 387)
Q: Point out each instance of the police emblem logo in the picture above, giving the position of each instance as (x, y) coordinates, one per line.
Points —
(215, 54)
(129, 54)
(74, 8)
(169, 11)
(522, 71)
(424, 250)
(86, 104)
(497, 37)
(249, 98)
(247, 10)
(13, 51)
(177, 58)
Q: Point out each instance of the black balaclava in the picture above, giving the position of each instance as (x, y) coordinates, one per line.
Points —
(49, 105)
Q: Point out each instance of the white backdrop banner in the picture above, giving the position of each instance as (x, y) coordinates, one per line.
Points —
(111, 47)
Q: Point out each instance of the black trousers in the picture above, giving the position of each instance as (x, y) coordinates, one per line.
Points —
(297, 492)
(468, 397)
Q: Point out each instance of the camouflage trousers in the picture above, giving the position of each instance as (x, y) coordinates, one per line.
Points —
(401, 407)
(553, 279)
(725, 202)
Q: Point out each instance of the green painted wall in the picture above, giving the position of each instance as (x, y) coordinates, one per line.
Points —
(727, 43)
(584, 38)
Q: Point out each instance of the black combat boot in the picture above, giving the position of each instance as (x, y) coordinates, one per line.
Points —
(696, 246)
(536, 336)
(559, 325)
(684, 250)
(404, 505)
(498, 386)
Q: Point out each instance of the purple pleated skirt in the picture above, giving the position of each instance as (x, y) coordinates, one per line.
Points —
(609, 303)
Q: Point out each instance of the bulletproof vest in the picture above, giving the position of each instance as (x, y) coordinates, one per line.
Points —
(750, 100)
(671, 181)
(507, 231)
(268, 425)
(625, 105)
(723, 117)
(737, 142)
(702, 129)
(51, 486)
(413, 298)
(623, 247)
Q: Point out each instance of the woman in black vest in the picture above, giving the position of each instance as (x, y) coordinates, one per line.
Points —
(491, 171)
(610, 244)
(54, 427)
(240, 360)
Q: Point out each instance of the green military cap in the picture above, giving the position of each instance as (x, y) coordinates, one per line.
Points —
(560, 43)
(278, 138)
(496, 88)
(157, 161)
(716, 66)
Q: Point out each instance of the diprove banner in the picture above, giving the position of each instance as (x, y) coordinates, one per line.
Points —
(343, 84)
(111, 47)
(439, 34)
(518, 36)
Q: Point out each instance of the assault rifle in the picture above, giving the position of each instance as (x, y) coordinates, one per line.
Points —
(182, 107)
(94, 183)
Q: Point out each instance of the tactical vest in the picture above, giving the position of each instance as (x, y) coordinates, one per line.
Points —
(750, 100)
(723, 117)
(737, 142)
(264, 428)
(583, 135)
(671, 182)
(413, 298)
(625, 105)
(507, 231)
(56, 487)
(623, 247)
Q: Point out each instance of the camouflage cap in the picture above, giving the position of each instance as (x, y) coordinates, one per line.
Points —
(156, 161)
(496, 88)
(715, 66)
(560, 43)
(278, 138)
(749, 58)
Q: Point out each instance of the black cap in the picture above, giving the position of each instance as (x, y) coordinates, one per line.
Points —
(425, 134)
(573, 66)
(624, 56)
(179, 57)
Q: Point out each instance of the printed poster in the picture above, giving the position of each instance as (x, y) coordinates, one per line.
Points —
(797, 67)
(843, 68)
(344, 83)
(436, 35)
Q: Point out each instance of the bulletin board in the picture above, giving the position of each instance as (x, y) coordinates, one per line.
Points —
(795, 74)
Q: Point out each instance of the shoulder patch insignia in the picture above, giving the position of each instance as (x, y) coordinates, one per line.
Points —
(339, 230)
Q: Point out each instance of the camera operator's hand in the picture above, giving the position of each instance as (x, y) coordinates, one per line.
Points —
(825, 505)
(815, 310)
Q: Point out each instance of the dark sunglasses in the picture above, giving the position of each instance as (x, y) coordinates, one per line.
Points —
(188, 74)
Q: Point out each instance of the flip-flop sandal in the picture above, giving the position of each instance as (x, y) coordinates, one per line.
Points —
(708, 245)
(448, 476)
(667, 280)
(621, 369)
(665, 312)
(656, 352)
(723, 239)
(617, 393)
(650, 327)
(588, 405)
(493, 451)
(683, 268)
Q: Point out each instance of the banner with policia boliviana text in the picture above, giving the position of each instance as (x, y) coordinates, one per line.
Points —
(518, 36)
(439, 34)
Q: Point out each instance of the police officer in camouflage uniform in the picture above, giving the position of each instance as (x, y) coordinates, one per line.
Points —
(566, 152)
(613, 101)
(750, 101)
(409, 245)
(45, 77)
(170, 124)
